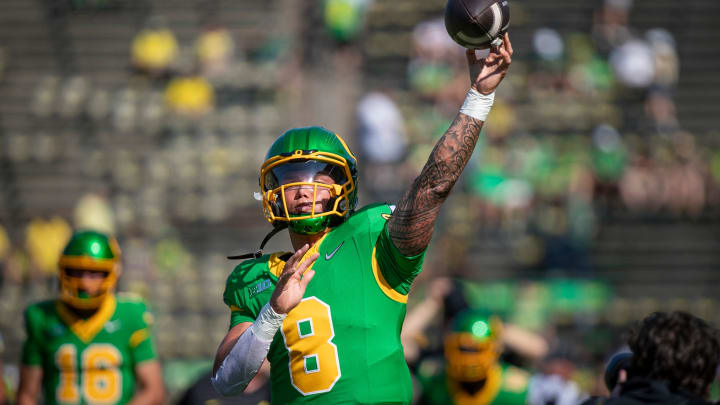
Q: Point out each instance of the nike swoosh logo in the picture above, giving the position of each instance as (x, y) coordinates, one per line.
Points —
(329, 256)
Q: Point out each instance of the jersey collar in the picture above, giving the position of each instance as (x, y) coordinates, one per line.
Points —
(87, 329)
(276, 264)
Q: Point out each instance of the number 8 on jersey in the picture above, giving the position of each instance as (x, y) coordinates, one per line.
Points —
(307, 332)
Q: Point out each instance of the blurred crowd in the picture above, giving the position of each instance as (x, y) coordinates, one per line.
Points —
(586, 126)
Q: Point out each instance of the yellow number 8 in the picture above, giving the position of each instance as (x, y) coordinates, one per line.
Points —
(307, 332)
(101, 379)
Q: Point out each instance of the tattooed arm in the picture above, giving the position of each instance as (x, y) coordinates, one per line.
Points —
(412, 222)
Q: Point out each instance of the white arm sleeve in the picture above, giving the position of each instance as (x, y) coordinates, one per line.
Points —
(246, 357)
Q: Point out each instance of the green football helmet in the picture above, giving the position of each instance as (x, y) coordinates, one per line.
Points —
(473, 346)
(295, 160)
(88, 250)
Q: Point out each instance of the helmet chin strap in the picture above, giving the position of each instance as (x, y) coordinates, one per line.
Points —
(259, 252)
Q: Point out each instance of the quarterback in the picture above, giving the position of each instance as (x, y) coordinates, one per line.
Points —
(89, 346)
(328, 316)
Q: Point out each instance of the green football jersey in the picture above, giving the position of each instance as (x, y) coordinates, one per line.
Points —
(341, 344)
(505, 385)
(88, 361)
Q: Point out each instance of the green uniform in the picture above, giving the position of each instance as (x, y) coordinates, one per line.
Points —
(505, 385)
(341, 344)
(88, 361)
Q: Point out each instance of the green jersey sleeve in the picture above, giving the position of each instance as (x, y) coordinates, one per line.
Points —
(248, 289)
(142, 344)
(32, 348)
(399, 270)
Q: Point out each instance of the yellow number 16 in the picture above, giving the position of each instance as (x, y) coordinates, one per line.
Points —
(100, 379)
(307, 332)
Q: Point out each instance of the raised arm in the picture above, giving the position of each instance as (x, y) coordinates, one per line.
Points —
(411, 225)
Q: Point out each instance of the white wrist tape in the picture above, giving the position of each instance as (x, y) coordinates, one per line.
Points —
(477, 105)
(248, 354)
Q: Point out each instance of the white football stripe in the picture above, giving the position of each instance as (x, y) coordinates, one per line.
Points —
(497, 20)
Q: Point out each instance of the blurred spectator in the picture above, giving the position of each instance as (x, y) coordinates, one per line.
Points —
(214, 50)
(383, 141)
(661, 113)
(609, 163)
(548, 44)
(675, 359)
(609, 154)
(552, 389)
(345, 19)
(434, 70)
(431, 41)
(191, 96)
(610, 25)
(382, 135)
(73, 96)
(45, 95)
(125, 111)
(93, 212)
(684, 190)
(588, 71)
(634, 64)
(665, 56)
(639, 186)
(44, 241)
(154, 49)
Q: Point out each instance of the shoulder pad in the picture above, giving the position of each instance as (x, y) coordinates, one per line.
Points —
(373, 213)
(41, 306)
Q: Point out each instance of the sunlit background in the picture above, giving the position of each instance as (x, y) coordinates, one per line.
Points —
(592, 199)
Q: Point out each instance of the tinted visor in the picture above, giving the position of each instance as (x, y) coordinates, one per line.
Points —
(80, 273)
(304, 171)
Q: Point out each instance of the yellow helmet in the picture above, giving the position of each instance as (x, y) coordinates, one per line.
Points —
(473, 346)
(88, 250)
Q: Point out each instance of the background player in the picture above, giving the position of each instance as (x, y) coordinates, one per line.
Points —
(89, 345)
(473, 373)
(343, 334)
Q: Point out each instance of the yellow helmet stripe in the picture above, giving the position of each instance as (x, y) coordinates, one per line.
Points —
(342, 141)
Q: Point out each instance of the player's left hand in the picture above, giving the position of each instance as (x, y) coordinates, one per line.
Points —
(487, 73)
(293, 281)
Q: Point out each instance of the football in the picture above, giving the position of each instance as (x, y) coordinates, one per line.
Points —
(477, 24)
